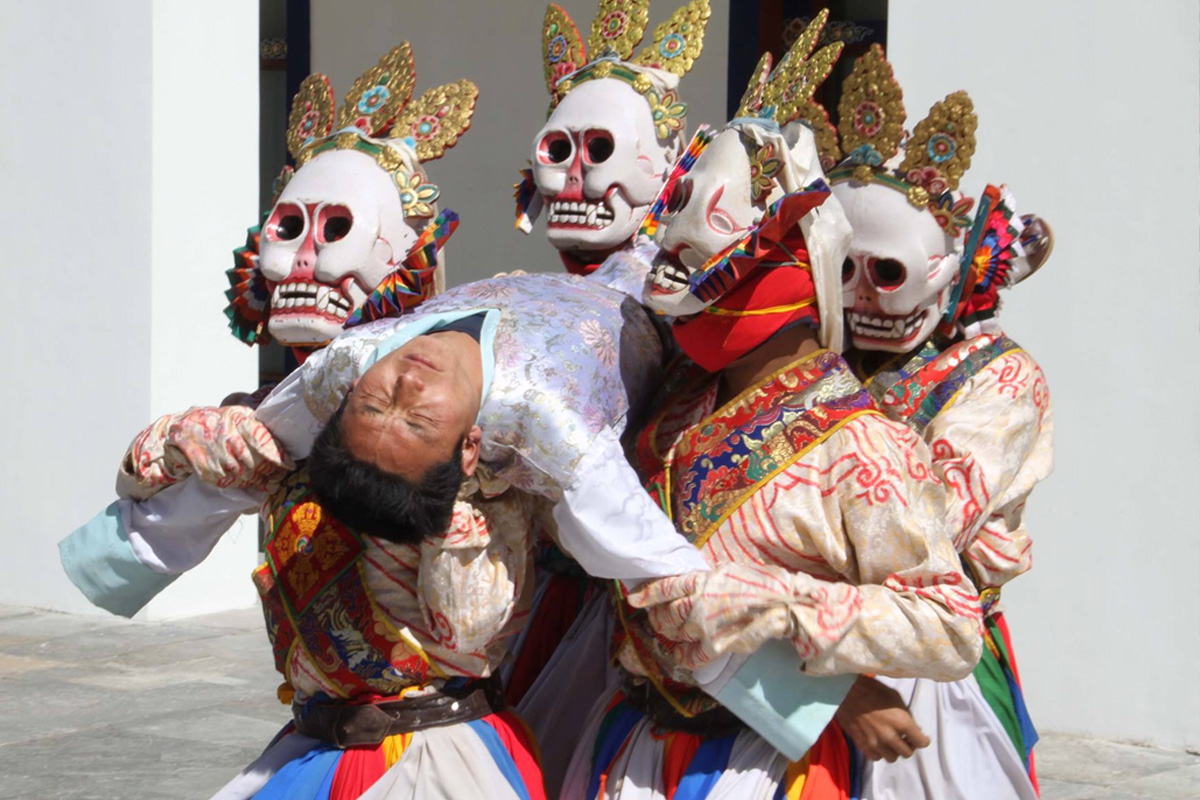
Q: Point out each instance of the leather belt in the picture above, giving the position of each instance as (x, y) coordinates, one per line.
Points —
(346, 725)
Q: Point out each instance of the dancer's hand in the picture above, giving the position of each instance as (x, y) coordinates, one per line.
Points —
(225, 447)
(734, 608)
(877, 720)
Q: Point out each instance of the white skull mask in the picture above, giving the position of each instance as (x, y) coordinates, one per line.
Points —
(900, 271)
(336, 231)
(598, 165)
(713, 206)
(709, 209)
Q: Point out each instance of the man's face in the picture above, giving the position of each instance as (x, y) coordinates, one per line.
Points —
(411, 409)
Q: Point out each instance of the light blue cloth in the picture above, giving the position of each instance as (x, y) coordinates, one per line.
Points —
(99, 559)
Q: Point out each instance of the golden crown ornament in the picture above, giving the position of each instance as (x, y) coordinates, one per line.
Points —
(618, 28)
(935, 156)
(377, 115)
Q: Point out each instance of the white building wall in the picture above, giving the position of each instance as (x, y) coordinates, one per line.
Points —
(205, 195)
(128, 172)
(499, 47)
(1089, 112)
(75, 191)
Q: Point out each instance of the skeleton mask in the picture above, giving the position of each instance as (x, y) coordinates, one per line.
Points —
(900, 194)
(707, 210)
(616, 127)
(598, 164)
(725, 196)
(336, 231)
(767, 152)
(345, 221)
(899, 273)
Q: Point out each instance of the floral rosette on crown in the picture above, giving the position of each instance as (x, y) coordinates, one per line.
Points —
(928, 165)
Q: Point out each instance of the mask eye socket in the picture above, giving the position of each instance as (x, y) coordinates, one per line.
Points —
(848, 271)
(333, 223)
(681, 193)
(887, 273)
(598, 146)
(555, 148)
(721, 222)
(286, 223)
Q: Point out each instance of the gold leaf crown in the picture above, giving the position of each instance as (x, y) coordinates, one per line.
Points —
(379, 107)
(871, 120)
(786, 94)
(617, 29)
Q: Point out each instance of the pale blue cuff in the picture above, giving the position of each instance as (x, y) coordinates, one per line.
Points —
(99, 559)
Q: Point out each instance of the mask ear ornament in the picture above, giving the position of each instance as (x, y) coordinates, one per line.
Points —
(1001, 250)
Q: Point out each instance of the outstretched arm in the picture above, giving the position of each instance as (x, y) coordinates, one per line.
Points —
(183, 483)
(132, 550)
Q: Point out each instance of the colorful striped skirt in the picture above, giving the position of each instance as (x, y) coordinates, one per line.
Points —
(492, 757)
(624, 757)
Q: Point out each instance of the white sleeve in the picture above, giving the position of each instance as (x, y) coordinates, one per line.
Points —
(177, 528)
(609, 524)
(131, 551)
(286, 415)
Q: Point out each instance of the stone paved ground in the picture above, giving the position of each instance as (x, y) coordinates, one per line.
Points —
(99, 708)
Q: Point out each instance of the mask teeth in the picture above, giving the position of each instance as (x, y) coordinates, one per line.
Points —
(885, 326)
(583, 214)
(669, 277)
(305, 296)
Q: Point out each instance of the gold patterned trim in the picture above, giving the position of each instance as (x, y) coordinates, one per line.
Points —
(707, 534)
(958, 392)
